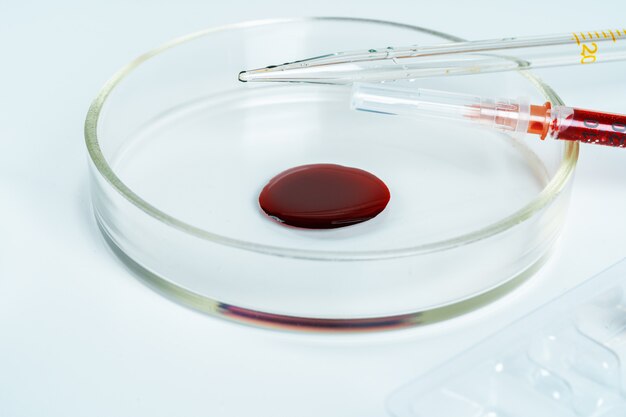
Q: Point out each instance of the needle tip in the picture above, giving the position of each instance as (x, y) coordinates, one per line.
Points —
(243, 76)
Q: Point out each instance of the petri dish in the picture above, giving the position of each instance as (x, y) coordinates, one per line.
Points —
(180, 149)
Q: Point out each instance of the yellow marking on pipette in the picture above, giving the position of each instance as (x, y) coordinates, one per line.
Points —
(582, 35)
(612, 35)
(576, 38)
(604, 34)
(590, 35)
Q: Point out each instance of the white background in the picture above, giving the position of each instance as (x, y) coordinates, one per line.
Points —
(80, 336)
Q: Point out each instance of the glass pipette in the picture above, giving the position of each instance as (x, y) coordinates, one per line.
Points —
(556, 122)
(456, 58)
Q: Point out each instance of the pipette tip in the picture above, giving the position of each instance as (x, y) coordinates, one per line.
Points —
(271, 73)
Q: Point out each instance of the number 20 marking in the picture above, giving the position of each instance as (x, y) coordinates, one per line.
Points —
(589, 53)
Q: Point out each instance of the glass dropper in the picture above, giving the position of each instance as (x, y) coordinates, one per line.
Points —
(456, 58)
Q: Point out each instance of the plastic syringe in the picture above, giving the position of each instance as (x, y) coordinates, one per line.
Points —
(544, 120)
(455, 58)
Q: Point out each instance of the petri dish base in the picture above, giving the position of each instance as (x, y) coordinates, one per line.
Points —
(180, 151)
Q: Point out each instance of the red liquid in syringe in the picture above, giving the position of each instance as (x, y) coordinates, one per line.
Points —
(568, 123)
(595, 127)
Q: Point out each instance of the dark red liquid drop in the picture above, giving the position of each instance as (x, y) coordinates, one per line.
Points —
(324, 196)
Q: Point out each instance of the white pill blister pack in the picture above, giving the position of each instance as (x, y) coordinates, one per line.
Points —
(566, 359)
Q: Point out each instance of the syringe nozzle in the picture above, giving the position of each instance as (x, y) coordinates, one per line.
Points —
(499, 114)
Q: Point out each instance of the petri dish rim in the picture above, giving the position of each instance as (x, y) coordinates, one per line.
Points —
(547, 194)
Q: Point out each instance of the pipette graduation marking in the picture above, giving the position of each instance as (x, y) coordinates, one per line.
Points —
(454, 58)
(557, 122)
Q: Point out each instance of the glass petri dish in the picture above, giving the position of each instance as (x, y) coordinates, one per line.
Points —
(179, 150)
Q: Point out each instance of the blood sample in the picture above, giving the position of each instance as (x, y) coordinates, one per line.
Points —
(324, 196)
(591, 127)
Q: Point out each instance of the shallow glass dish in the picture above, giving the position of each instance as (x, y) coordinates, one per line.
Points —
(180, 150)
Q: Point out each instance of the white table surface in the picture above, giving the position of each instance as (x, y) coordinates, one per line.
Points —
(80, 336)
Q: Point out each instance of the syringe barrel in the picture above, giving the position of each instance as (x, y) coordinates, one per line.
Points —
(588, 126)
(501, 114)
(509, 115)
